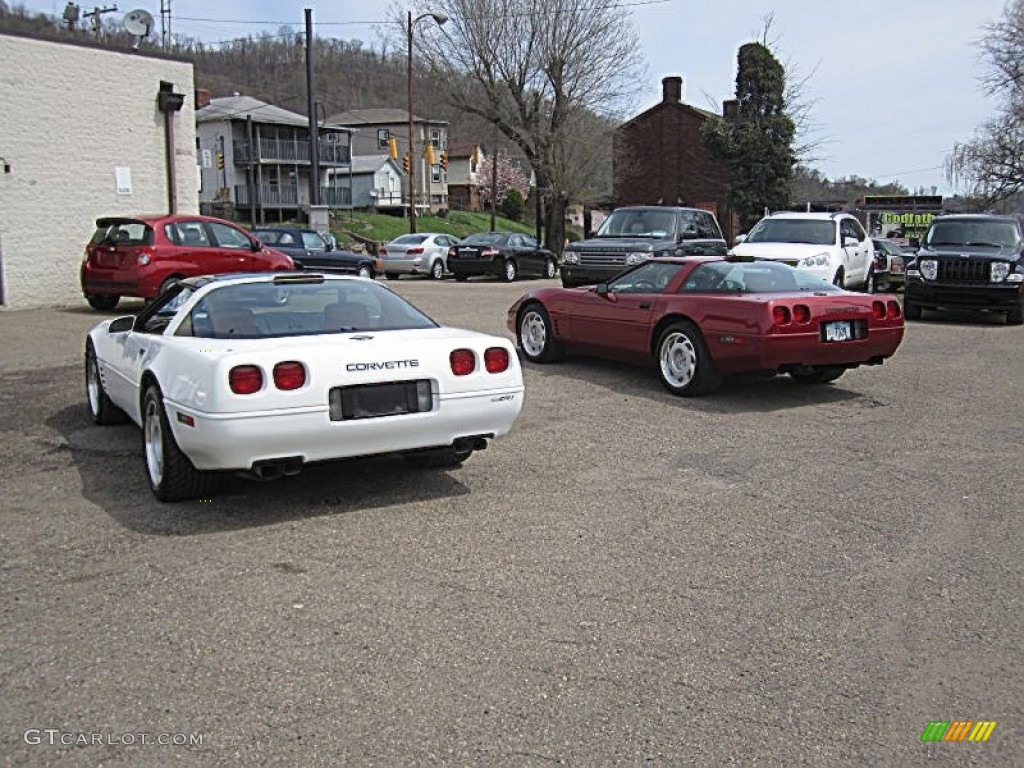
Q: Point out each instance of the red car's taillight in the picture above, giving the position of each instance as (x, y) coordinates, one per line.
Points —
(893, 310)
(878, 310)
(781, 315)
(496, 359)
(289, 375)
(245, 379)
(801, 313)
(462, 361)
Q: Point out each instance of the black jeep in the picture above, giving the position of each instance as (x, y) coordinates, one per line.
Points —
(630, 236)
(968, 261)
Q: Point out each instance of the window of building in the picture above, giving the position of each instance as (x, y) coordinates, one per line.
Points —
(435, 173)
(435, 138)
(383, 134)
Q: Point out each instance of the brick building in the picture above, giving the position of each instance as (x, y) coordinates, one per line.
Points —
(660, 159)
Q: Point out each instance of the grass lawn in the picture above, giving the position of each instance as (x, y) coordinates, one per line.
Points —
(383, 228)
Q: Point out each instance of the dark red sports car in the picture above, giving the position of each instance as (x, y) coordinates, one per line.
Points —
(699, 319)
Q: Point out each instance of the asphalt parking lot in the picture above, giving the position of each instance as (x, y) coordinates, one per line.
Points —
(772, 575)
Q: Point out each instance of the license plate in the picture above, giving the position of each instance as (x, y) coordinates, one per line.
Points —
(838, 330)
(369, 401)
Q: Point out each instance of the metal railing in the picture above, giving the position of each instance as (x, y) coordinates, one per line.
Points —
(290, 196)
(292, 151)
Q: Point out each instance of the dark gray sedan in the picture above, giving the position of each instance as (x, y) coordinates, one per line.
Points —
(507, 255)
(311, 250)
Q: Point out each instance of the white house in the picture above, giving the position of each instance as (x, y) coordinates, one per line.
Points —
(82, 136)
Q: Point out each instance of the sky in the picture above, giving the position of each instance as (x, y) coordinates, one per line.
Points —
(893, 84)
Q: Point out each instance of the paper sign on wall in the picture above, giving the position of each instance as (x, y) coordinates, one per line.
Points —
(123, 179)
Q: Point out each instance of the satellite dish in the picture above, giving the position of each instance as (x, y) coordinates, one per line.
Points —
(138, 23)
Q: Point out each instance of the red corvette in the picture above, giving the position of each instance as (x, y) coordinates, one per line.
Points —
(699, 319)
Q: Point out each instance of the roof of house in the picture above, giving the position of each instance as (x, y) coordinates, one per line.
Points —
(241, 107)
(369, 163)
(378, 116)
(680, 105)
(461, 149)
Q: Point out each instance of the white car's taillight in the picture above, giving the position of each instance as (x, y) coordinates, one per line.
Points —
(245, 379)
(496, 359)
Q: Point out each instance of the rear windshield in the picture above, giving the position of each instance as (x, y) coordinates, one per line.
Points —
(753, 277)
(267, 310)
(483, 238)
(409, 239)
(122, 233)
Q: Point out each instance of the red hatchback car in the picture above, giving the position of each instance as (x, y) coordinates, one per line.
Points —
(140, 255)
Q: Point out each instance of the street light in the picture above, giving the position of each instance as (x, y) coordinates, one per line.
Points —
(440, 18)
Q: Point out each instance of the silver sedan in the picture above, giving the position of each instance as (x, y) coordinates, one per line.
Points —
(423, 253)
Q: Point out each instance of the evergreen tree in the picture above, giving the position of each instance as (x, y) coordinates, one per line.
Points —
(755, 138)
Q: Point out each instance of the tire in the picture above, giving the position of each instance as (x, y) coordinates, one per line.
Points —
(437, 458)
(437, 270)
(534, 335)
(911, 311)
(550, 269)
(103, 303)
(166, 284)
(1015, 316)
(461, 278)
(170, 474)
(820, 374)
(511, 271)
(102, 410)
(684, 363)
(365, 270)
(870, 285)
(392, 275)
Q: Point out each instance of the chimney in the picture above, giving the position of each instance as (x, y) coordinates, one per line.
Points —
(202, 98)
(672, 89)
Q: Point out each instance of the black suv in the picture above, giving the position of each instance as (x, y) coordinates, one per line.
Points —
(968, 261)
(630, 236)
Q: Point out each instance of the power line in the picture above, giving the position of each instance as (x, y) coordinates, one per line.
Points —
(518, 14)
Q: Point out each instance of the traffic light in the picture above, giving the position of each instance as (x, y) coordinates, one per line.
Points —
(444, 161)
(430, 154)
(406, 164)
(393, 148)
(220, 161)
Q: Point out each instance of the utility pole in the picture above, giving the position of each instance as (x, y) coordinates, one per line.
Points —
(72, 13)
(314, 129)
(165, 23)
(494, 189)
(96, 14)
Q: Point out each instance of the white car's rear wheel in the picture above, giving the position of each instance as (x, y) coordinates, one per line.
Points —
(170, 473)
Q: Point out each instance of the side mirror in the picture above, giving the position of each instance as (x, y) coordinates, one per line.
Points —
(121, 324)
(255, 245)
(601, 289)
(739, 239)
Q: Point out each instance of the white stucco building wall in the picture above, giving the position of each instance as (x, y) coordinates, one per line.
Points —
(70, 115)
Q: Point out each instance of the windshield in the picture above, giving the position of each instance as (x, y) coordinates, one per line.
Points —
(809, 231)
(641, 222)
(409, 240)
(483, 238)
(268, 310)
(985, 232)
(753, 277)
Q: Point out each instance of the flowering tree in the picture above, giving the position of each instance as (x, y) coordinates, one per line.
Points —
(510, 176)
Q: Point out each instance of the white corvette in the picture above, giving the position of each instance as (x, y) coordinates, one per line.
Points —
(265, 373)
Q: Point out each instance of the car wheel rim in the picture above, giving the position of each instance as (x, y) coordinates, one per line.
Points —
(510, 271)
(551, 269)
(678, 359)
(533, 334)
(438, 270)
(364, 272)
(92, 384)
(154, 444)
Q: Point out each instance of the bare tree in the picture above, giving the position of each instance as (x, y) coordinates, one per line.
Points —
(536, 69)
(990, 168)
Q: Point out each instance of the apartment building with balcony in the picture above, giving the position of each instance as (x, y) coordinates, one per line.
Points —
(254, 158)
